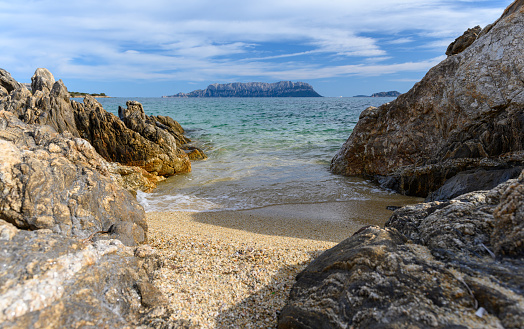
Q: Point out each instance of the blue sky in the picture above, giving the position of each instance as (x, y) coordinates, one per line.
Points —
(161, 47)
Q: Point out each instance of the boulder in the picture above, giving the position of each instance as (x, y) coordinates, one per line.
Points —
(455, 264)
(59, 182)
(466, 113)
(49, 280)
(464, 41)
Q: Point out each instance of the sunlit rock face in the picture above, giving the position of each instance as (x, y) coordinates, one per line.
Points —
(466, 113)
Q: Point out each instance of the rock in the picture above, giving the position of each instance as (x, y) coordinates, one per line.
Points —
(158, 151)
(134, 179)
(151, 143)
(7, 83)
(436, 264)
(472, 180)
(42, 81)
(464, 41)
(507, 237)
(254, 89)
(466, 113)
(52, 281)
(58, 182)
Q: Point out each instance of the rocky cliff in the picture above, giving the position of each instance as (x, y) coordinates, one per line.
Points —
(466, 113)
(254, 89)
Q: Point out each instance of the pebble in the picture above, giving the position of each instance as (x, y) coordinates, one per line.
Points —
(220, 277)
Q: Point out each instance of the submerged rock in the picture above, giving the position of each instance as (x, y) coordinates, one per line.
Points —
(466, 113)
(455, 264)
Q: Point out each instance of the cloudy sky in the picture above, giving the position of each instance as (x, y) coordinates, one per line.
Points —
(162, 47)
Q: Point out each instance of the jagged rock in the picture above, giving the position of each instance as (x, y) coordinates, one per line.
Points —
(7, 83)
(52, 281)
(254, 89)
(464, 41)
(438, 264)
(161, 154)
(152, 144)
(58, 182)
(466, 113)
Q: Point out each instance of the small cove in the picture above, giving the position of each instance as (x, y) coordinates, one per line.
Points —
(270, 154)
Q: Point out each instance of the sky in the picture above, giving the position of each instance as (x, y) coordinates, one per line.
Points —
(159, 47)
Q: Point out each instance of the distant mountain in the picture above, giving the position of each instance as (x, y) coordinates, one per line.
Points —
(382, 94)
(254, 89)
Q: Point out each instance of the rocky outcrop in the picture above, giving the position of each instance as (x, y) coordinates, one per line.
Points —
(455, 264)
(66, 231)
(154, 144)
(466, 113)
(52, 281)
(58, 182)
(254, 89)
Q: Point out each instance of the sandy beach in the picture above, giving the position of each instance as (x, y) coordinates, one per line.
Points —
(235, 269)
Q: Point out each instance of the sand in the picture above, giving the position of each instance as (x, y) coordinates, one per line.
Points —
(235, 269)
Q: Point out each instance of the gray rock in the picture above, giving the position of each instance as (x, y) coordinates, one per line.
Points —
(466, 113)
(435, 265)
(472, 180)
(58, 182)
(507, 237)
(52, 281)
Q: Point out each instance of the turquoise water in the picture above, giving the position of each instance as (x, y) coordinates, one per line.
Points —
(262, 151)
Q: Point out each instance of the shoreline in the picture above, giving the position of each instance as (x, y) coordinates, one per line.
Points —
(236, 268)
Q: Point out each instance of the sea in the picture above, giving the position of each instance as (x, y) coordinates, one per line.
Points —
(262, 152)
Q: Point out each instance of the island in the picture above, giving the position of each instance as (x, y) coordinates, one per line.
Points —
(382, 94)
(79, 94)
(253, 89)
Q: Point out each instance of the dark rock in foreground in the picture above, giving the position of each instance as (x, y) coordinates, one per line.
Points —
(466, 113)
(456, 264)
(254, 89)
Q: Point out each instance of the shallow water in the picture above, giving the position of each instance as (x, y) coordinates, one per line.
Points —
(262, 152)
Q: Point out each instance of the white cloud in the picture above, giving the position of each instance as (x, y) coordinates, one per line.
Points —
(202, 39)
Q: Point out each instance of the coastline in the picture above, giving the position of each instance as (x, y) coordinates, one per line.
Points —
(236, 268)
